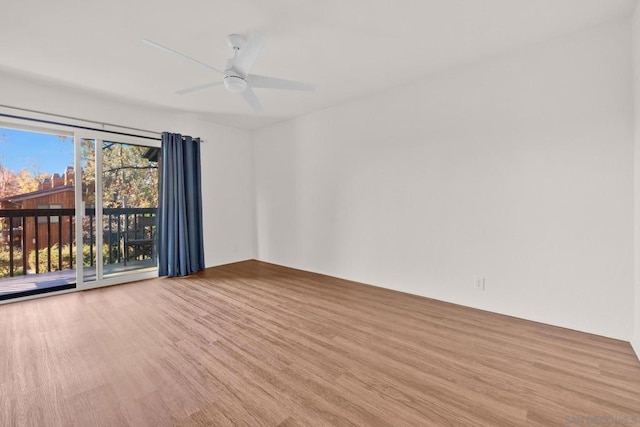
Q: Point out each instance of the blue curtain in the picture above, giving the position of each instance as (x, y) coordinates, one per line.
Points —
(180, 243)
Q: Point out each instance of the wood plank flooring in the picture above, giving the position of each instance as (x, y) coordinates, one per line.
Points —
(256, 344)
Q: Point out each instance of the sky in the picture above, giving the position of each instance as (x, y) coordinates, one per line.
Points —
(37, 152)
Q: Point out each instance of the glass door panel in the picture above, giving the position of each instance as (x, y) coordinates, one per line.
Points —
(129, 207)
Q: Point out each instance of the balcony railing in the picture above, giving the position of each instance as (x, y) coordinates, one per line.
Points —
(42, 240)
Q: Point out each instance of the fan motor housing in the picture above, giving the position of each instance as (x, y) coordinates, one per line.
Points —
(235, 84)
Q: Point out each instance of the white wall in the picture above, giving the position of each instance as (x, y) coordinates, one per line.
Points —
(636, 83)
(226, 156)
(518, 169)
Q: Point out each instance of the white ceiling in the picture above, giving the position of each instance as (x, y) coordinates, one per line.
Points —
(347, 48)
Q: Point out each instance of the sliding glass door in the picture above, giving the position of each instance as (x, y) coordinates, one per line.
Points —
(117, 201)
(77, 209)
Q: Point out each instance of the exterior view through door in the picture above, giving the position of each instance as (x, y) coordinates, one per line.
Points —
(61, 191)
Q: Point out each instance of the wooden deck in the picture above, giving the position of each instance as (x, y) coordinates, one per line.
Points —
(31, 282)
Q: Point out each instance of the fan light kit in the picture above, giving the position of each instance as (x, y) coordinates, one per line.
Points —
(235, 84)
(236, 77)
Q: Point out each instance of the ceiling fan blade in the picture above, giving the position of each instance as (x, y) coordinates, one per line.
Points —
(252, 100)
(175, 52)
(196, 88)
(249, 53)
(265, 82)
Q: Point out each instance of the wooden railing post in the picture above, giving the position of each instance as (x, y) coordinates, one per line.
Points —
(25, 252)
(71, 241)
(90, 240)
(10, 247)
(60, 241)
(48, 243)
(37, 251)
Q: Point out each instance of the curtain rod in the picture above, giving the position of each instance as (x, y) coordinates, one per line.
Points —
(51, 122)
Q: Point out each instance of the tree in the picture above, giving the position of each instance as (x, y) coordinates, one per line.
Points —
(6, 181)
(26, 182)
(128, 178)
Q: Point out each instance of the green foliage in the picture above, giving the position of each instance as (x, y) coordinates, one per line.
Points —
(42, 259)
(4, 262)
(55, 257)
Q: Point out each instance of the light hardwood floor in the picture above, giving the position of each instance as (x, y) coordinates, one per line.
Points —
(257, 344)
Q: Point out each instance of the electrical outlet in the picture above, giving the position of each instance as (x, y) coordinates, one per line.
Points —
(479, 284)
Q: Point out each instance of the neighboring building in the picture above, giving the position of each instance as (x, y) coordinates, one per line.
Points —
(54, 192)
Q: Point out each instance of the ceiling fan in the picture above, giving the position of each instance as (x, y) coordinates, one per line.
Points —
(236, 77)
